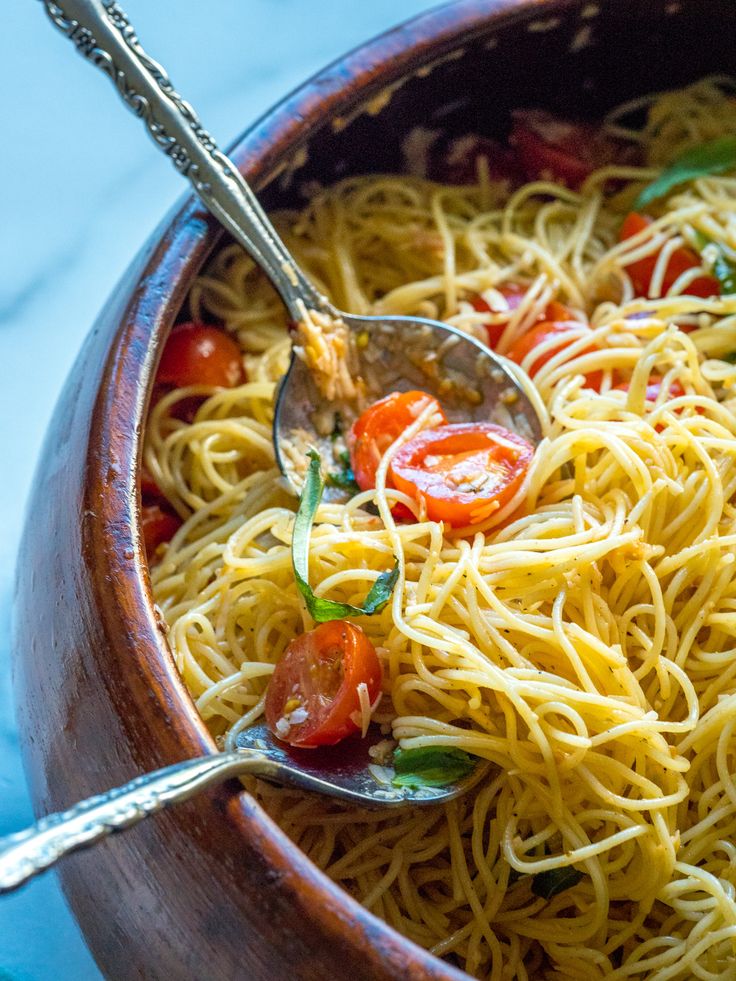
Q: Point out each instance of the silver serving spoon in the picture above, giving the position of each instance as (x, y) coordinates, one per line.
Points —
(394, 353)
(341, 772)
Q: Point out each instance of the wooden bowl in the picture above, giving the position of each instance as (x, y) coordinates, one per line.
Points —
(213, 889)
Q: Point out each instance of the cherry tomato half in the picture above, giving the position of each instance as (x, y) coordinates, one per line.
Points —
(513, 294)
(680, 261)
(463, 472)
(158, 525)
(382, 423)
(552, 148)
(313, 692)
(199, 354)
(654, 387)
(543, 332)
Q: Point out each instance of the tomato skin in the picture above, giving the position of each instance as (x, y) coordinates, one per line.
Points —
(158, 525)
(320, 671)
(682, 259)
(542, 332)
(436, 463)
(377, 428)
(200, 354)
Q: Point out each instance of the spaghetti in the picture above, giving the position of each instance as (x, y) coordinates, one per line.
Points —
(584, 640)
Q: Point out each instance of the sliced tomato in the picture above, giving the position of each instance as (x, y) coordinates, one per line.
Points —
(158, 525)
(382, 423)
(312, 697)
(543, 332)
(463, 472)
(513, 294)
(200, 354)
(680, 261)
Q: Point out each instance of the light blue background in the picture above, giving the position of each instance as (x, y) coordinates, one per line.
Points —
(80, 190)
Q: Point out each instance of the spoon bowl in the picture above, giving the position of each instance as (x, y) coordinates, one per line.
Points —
(398, 354)
(344, 772)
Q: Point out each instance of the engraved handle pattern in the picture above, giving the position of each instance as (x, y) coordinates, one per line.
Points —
(26, 853)
(102, 33)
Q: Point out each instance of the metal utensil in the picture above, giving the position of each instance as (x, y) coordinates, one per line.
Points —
(398, 353)
(341, 772)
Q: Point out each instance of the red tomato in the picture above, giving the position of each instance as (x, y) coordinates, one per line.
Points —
(158, 525)
(513, 293)
(377, 428)
(543, 332)
(552, 148)
(199, 354)
(681, 260)
(463, 471)
(313, 692)
(654, 388)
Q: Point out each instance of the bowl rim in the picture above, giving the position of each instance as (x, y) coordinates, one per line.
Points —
(181, 245)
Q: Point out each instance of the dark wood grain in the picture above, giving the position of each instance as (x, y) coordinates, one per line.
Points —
(213, 889)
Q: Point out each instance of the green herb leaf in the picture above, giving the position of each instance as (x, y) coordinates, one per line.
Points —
(718, 264)
(344, 478)
(713, 157)
(731, 358)
(725, 273)
(322, 609)
(554, 881)
(431, 766)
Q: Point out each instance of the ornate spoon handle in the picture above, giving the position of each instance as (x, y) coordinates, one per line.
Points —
(26, 853)
(102, 33)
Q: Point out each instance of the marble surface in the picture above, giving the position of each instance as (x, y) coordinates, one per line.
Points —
(81, 190)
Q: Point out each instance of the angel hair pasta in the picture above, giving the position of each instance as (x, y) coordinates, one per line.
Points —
(582, 637)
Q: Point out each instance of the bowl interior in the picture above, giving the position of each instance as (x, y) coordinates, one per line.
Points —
(460, 70)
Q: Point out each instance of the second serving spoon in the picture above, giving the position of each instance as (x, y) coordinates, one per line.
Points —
(393, 353)
(344, 772)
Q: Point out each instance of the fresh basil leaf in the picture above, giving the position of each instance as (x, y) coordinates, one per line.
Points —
(554, 881)
(731, 358)
(319, 608)
(431, 766)
(713, 157)
(344, 478)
